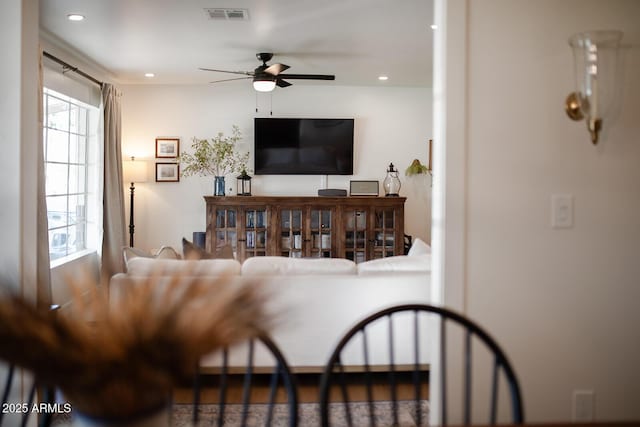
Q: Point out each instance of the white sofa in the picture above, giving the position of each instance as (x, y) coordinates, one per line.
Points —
(315, 301)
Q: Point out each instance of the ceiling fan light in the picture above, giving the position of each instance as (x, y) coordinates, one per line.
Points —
(264, 85)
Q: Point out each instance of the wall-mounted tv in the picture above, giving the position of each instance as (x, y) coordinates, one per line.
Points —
(297, 146)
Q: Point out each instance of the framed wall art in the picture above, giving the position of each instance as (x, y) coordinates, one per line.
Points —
(167, 148)
(167, 172)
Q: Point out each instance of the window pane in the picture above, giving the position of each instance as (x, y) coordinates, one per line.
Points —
(76, 209)
(75, 119)
(57, 146)
(77, 149)
(58, 243)
(91, 214)
(57, 211)
(72, 174)
(82, 121)
(76, 179)
(56, 179)
(57, 114)
(80, 208)
(77, 242)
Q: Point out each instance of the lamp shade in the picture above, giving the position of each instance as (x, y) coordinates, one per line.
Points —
(264, 82)
(134, 170)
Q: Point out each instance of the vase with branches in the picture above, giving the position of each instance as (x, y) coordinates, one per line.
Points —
(121, 367)
(216, 156)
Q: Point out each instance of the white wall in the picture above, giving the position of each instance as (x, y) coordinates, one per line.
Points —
(562, 302)
(10, 20)
(18, 139)
(392, 124)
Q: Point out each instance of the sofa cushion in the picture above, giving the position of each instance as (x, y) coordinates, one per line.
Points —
(206, 267)
(275, 265)
(191, 251)
(419, 247)
(165, 252)
(397, 264)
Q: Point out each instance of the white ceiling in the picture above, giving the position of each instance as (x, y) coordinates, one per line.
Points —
(357, 40)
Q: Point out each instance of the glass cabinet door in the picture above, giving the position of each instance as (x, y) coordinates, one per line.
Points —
(384, 233)
(321, 233)
(355, 239)
(292, 242)
(255, 230)
(225, 230)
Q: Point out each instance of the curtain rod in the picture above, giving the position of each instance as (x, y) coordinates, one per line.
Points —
(72, 68)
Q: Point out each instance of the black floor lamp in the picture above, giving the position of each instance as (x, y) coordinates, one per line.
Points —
(133, 171)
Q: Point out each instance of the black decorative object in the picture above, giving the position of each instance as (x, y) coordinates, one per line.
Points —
(243, 184)
(199, 239)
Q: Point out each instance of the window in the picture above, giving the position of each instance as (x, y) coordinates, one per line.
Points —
(71, 167)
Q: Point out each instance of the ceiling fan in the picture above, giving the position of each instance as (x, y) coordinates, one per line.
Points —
(267, 77)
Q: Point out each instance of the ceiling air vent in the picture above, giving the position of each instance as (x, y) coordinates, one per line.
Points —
(220, 14)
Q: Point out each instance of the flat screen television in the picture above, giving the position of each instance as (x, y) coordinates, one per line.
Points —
(296, 146)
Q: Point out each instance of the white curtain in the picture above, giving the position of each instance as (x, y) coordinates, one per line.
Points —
(113, 224)
(43, 273)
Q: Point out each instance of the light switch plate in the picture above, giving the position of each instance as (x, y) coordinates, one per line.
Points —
(583, 406)
(561, 210)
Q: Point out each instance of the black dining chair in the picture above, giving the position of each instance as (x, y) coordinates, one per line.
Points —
(24, 407)
(393, 343)
(268, 391)
(44, 394)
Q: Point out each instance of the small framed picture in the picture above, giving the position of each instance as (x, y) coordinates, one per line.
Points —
(167, 172)
(167, 148)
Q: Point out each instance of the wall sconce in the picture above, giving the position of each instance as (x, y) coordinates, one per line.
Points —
(595, 55)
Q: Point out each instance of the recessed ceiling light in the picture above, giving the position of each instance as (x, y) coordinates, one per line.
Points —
(149, 75)
(383, 78)
(75, 17)
(434, 27)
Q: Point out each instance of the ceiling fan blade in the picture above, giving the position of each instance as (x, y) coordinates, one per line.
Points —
(246, 73)
(307, 76)
(282, 83)
(276, 69)
(228, 80)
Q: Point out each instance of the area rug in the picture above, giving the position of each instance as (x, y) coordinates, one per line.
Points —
(308, 415)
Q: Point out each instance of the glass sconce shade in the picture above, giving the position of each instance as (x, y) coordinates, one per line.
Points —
(595, 55)
(243, 184)
(264, 82)
(391, 182)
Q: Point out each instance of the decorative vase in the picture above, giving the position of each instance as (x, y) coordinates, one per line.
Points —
(391, 183)
(218, 186)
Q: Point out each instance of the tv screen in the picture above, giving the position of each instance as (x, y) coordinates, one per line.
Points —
(289, 146)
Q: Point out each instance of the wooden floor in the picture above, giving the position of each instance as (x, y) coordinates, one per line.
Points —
(308, 388)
